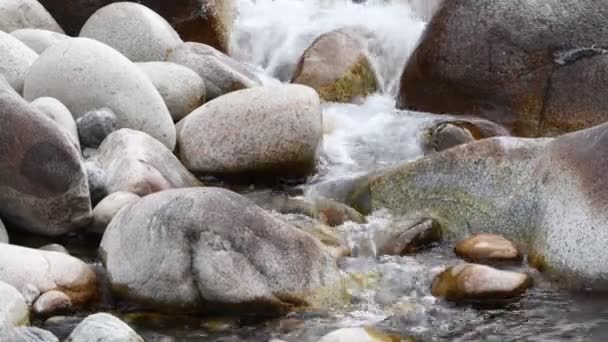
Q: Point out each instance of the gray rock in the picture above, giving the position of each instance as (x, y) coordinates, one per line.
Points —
(30, 293)
(25, 267)
(38, 39)
(103, 327)
(27, 334)
(450, 132)
(98, 182)
(221, 73)
(3, 233)
(14, 311)
(46, 191)
(15, 60)
(95, 126)
(54, 247)
(135, 162)
(182, 89)
(87, 75)
(406, 237)
(105, 211)
(133, 30)
(20, 14)
(60, 114)
(190, 236)
(51, 303)
(264, 130)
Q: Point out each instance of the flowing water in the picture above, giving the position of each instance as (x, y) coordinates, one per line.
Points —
(391, 293)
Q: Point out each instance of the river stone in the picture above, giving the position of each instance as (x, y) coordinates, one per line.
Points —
(449, 132)
(135, 162)
(337, 67)
(52, 303)
(38, 39)
(30, 293)
(105, 211)
(27, 334)
(43, 183)
(220, 73)
(15, 60)
(47, 271)
(21, 14)
(362, 334)
(103, 327)
(182, 89)
(403, 237)
(98, 182)
(3, 233)
(132, 29)
(87, 75)
(203, 21)
(472, 282)
(168, 249)
(14, 311)
(488, 248)
(532, 66)
(60, 114)
(54, 247)
(272, 130)
(95, 126)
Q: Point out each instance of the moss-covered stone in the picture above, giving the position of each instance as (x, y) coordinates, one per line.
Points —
(359, 81)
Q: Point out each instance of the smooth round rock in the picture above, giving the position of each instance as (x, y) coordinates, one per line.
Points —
(182, 89)
(103, 327)
(15, 60)
(28, 334)
(54, 247)
(362, 334)
(403, 238)
(37, 39)
(105, 211)
(95, 126)
(472, 282)
(21, 14)
(135, 162)
(86, 75)
(52, 303)
(14, 311)
(60, 114)
(221, 73)
(98, 182)
(488, 248)
(263, 131)
(133, 30)
(3, 233)
(190, 236)
(30, 293)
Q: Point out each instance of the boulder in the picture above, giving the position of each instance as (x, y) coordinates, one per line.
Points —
(135, 162)
(105, 211)
(103, 327)
(38, 39)
(521, 64)
(21, 14)
(273, 130)
(337, 67)
(182, 89)
(43, 184)
(488, 248)
(546, 195)
(132, 29)
(14, 311)
(202, 21)
(220, 73)
(60, 114)
(209, 249)
(479, 283)
(15, 60)
(86, 75)
(3, 233)
(52, 303)
(22, 267)
(95, 126)
(27, 334)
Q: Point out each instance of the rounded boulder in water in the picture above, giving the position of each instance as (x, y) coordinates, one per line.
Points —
(15, 60)
(267, 131)
(134, 30)
(37, 39)
(488, 248)
(86, 75)
(190, 236)
(103, 327)
(21, 14)
(182, 89)
(95, 126)
(43, 182)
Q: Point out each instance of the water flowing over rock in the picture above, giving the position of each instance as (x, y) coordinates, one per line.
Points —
(14, 311)
(103, 327)
(43, 184)
(38, 39)
(22, 14)
(133, 30)
(546, 79)
(135, 162)
(223, 250)
(337, 67)
(488, 248)
(15, 60)
(86, 75)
